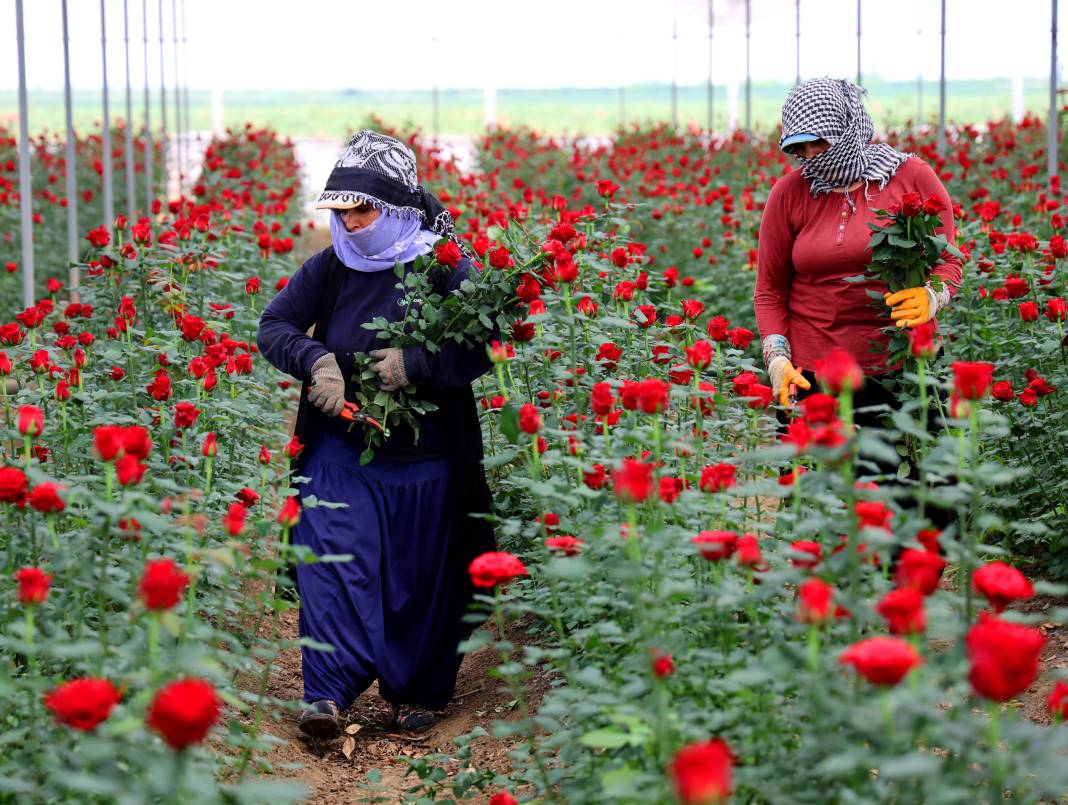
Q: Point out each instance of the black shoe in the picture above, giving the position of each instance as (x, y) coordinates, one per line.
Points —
(321, 720)
(412, 718)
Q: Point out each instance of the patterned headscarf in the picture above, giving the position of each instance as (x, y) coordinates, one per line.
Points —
(833, 109)
(381, 171)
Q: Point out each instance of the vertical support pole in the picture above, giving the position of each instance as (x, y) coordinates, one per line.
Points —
(942, 89)
(622, 107)
(106, 157)
(919, 79)
(131, 158)
(748, 76)
(675, 67)
(150, 157)
(435, 101)
(74, 275)
(25, 179)
(797, 43)
(165, 177)
(179, 147)
(859, 84)
(1053, 124)
(711, 84)
(185, 92)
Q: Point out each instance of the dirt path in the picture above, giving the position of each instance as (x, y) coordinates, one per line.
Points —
(332, 778)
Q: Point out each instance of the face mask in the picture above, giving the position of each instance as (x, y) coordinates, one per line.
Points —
(382, 243)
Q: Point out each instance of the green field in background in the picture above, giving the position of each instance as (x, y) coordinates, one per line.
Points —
(588, 111)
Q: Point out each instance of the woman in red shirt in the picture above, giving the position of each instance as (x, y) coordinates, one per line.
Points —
(814, 233)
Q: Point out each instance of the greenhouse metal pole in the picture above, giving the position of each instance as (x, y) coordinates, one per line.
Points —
(165, 174)
(797, 35)
(149, 154)
(748, 77)
(74, 275)
(1053, 123)
(435, 100)
(106, 156)
(942, 89)
(185, 89)
(919, 80)
(131, 160)
(859, 84)
(675, 68)
(711, 86)
(179, 145)
(622, 107)
(25, 180)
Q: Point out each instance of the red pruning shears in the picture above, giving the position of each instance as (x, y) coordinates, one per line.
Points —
(351, 412)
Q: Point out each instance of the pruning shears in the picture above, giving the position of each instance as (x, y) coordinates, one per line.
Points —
(351, 413)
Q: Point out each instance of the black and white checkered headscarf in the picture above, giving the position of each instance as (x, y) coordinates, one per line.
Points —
(833, 109)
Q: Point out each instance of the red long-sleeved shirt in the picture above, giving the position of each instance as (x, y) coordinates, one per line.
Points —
(809, 245)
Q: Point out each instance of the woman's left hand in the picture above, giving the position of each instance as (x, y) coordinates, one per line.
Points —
(911, 307)
(390, 368)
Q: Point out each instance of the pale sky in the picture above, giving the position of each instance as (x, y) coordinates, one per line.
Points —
(386, 44)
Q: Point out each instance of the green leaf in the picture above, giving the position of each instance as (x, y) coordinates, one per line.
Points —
(509, 423)
(900, 242)
(606, 738)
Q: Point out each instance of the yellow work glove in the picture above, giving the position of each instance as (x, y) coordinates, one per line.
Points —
(783, 375)
(910, 307)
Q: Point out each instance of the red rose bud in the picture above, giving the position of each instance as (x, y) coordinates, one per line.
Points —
(933, 205)
(839, 371)
(234, 519)
(715, 546)
(162, 584)
(971, 380)
(699, 356)
(529, 419)
(717, 478)
(210, 447)
(289, 514)
(33, 585)
(920, 570)
(1028, 311)
(903, 610)
(633, 480)
(30, 420)
(1058, 701)
(45, 498)
(495, 567)
(503, 798)
(265, 455)
(183, 712)
(293, 448)
(129, 470)
(911, 204)
(747, 551)
(922, 340)
(564, 544)
(882, 660)
(606, 188)
(82, 703)
(185, 415)
(1004, 657)
(1001, 584)
(663, 665)
(814, 598)
(701, 773)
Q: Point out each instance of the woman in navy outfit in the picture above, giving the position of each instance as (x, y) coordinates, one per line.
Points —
(394, 612)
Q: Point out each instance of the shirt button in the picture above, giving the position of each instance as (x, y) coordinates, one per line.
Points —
(843, 213)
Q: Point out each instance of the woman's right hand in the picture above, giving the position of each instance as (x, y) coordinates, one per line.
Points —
(327, 389)
(783, 375)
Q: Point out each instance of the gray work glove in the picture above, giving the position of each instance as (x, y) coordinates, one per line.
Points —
(390, 368)
(327, 389)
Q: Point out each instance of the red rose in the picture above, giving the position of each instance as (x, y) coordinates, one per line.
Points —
(717, 328)
(160, 387)
(1015, 287)
(903, 610)
(184, 711)
(129, 470)
(747, 551)
(1057, 309)
(13, 484)
(30, 420)
(699, 355)
(717, 478)
(814, 598)
(565, 544)
(265, 455)
(819, 409)
(82, 703)
(45, 498)
(933, 205)
(812, 553)
(495, 567)
(234, 519)
(1003, 391)
(1004, 657)
(185, 415)
(922, 342)
(972, 379)
(653, 395)
(920, 570)
(596, 477)
(911, 204)
(192, 327)
(701, 772)
(162, 584)
(33, 585)
(523, 331)
(503, 798)
(210, 447)
(247, 497)
(716, 545)
(293, 448)
(448, 254)
(633, 480)
(1028, 311)
(1001, 584)
(289, 514)
(740, 337)
(252, 286)
(692, 309)
(882, 660)
(1058, 700)
(839, 371)
(663, 665)
(606, 188)
(602, 399)
(529, 418)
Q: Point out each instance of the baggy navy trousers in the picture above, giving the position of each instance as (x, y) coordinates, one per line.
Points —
(392, 612)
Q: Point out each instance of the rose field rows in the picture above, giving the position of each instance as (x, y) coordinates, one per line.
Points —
(722, 608)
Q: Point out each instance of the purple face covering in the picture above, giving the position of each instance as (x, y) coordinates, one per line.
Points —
(388, 240)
